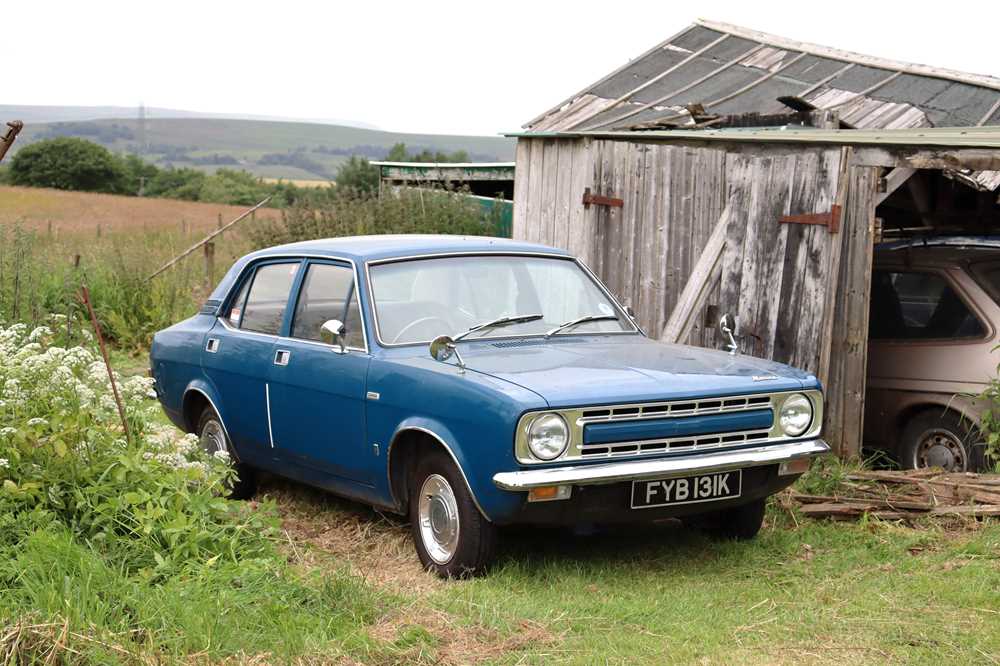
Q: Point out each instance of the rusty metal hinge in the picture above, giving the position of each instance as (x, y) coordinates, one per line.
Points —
(829, 220)
(599, 200)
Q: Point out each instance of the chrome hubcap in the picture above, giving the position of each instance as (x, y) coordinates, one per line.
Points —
(941, 448)
(213, 438)
(437, 512)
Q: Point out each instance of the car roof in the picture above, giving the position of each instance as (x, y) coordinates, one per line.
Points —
(391, 246)
(939, 251)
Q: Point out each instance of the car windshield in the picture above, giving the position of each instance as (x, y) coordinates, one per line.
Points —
(418, 300)
(987, 274)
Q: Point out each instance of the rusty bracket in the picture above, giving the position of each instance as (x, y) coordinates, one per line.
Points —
(829, 220)
(7, 140)
(599, 200)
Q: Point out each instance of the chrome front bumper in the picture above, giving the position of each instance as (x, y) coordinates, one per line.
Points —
(589, 475)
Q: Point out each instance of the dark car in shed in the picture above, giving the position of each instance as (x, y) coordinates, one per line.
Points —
(935, 317)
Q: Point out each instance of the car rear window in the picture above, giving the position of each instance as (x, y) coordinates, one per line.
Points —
(268, 298)
(988, 277)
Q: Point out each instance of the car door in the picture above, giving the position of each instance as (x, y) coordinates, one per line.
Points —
(317, 390)
(237, 352)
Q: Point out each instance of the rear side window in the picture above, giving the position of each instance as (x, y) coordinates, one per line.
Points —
(988, 277)
(328, 292)
(268, 298)
(911, 305)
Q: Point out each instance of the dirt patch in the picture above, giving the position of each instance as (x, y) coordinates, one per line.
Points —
(376, 546)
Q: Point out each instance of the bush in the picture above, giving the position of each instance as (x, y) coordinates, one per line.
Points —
(358, 176)
(409, 212)
(989, 401)
(127, 544)
(68, 164)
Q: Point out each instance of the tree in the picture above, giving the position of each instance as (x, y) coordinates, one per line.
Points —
(398, 153)
(358, 175)
(68, 164)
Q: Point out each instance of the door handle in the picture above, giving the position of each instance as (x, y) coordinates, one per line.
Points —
(212, 346)
(281, 357)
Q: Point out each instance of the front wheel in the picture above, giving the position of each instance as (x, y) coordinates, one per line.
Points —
(945, 440)
(452, 537)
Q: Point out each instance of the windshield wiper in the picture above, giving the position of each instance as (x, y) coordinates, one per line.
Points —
(579, 320)
(500, 321)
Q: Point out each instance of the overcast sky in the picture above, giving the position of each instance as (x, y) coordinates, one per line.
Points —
(444, 67)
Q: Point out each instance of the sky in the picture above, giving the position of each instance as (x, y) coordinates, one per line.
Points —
(436, 67)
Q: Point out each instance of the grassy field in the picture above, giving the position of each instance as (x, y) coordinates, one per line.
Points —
(344, 584)
(82, 212)
(802, 593)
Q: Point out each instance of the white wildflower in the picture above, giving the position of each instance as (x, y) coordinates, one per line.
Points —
(7, 432)
(221, 455)
(37, 421)
(39, 333)
(4, 463)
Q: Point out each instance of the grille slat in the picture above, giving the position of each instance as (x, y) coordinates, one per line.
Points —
(675, 445)
(669, 409)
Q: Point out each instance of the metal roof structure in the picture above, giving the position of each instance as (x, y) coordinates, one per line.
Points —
(726, 69)
(943, 137)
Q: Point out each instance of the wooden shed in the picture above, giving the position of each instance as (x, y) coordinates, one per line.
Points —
(775, 224)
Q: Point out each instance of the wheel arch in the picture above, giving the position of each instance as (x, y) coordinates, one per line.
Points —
(409, 439)
(931, 404)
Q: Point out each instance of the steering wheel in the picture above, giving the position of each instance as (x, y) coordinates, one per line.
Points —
(415, 322)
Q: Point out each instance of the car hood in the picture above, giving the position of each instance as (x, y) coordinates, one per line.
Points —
(594, 370)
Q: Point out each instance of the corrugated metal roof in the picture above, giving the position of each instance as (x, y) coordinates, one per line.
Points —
(943, 137)
(732, 70)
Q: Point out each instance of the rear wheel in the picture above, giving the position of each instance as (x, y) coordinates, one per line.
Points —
(941, 439)
(452, 537)
(741, 523)
(213, 439)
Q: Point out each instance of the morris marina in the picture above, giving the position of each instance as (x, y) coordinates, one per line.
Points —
(474, 383)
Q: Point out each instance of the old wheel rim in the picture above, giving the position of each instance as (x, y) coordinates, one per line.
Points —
(941, 448)
(437, 512)
(213, 439)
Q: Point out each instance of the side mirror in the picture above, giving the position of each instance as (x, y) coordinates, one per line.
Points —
(726, 325)
(332, 333)
(443, 348)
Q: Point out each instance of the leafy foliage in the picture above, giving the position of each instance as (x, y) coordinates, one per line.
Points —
(358, 176)
(989, 425)
(116, 536)
(68, 164)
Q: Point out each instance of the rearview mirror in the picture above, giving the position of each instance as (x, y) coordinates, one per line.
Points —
(443, 348)
(332, 333)
(727, 324)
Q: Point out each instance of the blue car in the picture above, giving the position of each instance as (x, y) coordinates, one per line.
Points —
(474, 383)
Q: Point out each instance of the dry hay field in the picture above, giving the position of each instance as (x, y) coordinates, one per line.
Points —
(74, 212)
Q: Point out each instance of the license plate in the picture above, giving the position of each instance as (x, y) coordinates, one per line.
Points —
(687, 489)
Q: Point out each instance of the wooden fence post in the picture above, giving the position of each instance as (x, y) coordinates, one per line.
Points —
(220, 221)
(210, 263)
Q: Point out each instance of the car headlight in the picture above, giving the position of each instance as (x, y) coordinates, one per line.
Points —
(548, 436)
(796, 415)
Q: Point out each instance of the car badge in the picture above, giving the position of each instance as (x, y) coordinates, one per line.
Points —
(764, 378)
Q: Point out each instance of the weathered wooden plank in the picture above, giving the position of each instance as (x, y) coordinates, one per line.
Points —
(580, 221)
(696, 290)
(849, 344)
(534, 206)
(566, 158)
(522, 179)
(893, 181)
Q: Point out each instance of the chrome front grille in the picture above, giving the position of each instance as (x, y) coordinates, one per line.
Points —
(661, 410)
(667, 442)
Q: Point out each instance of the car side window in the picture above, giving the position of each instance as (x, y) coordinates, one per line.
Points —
(268, 298)
(913, 305)
(328, 292)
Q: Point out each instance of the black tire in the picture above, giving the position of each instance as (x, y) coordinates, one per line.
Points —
(942, 438)
(740, 523)
(476, 537)
(244, 485)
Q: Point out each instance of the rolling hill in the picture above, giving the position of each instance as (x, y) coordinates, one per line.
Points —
(275, 149)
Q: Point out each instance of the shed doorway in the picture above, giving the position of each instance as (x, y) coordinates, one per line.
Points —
(934, 319)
